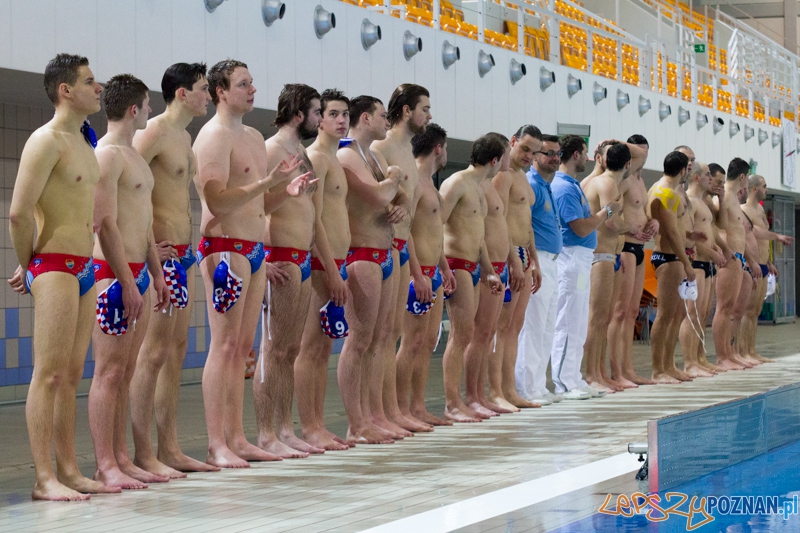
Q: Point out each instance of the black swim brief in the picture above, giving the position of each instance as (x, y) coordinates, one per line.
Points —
(660, 258)
(706, 266)
(636, 249)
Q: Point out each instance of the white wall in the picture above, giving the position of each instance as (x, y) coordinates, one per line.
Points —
(143, 37)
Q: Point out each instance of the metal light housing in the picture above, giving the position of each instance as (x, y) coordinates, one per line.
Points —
(683, 116)
(664, 111)
(411, 45)
(748, 133)
(623, 99)
(516, 71)
(599, 93)
(644, 105)
(546, 78)
(450, 54)
(272, 10)
(762, 136)
(323, 21)
(776, 139)
(717, 125)
(212, 5)
(370, 34)
(485, 63)
(573, 85)
(733, 128)
(701, 120)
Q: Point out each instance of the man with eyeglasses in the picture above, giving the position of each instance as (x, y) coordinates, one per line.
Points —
(536, 338)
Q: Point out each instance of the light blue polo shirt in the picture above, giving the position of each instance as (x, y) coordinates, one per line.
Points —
(572, 205)
(544, 215)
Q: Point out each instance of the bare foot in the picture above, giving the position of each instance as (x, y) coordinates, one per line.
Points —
(393, 429)
(625, 383)
(680, 375)
(636, 378)
(319, 439)
(154, 466)
(336, 438)
(727, 364)
(615, 384)
(291, 440)
(130, 469)
(367, 436)
(762, 359)
(184, 463)
(697, 371)
(750, 360)
(518, 401)
(736, 358)
(249, 452)
(481, 411)
(225, 458)
(54, 491)
(275, 447)
(665, 378)
(601, 387)
(410, 423)
(87, 486)
(714, 369)
(505, 404)
(428, 418)
(116, 478)
(499, 409)
(456, 415)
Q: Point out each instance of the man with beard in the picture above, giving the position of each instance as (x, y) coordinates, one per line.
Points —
(408, 113)
(579, 233)
(288, 239)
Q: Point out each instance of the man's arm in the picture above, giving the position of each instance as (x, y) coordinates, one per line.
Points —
(487, 270)
(149, 143)
(362, 183)
(39, 158)
(105, 226)
(763, 234)
(154, 266)
(607, 194)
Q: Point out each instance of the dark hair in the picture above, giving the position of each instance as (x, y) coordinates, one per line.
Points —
(181, 76)
(490, 146)
(737, 167)
(529, 129)
(569, 145)
(424, 142)
(360, 105)
(715, 169)
(407, 94)
(638, 140)
(220, 76)
(549, 138)
(294, 98)
(121, 92)
(617, 156)
(62, 69)
(332, 95)
(675, 162)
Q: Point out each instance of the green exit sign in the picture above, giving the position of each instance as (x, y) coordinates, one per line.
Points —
(700, 49)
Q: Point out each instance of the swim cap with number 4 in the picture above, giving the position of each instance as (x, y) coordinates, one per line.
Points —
(227, 286)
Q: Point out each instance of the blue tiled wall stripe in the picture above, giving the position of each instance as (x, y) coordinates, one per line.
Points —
(25, 352)
(12, 323)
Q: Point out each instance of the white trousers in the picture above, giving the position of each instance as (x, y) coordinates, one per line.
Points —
(536, 336)
(572, 320)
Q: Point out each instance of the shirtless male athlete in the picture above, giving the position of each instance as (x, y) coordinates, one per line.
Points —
(232, 181)
(707, 256)
(463, 213)
(523, 266)
(600, 191)
(409, 112)
(167, 147)
(671, 264)
(751, 276)
(123, 253)
(729, 277)
(328, 271)
(287, 244)
(757, 193)
(371, 190)
(421, 332)
(479, 353)
(54, 198)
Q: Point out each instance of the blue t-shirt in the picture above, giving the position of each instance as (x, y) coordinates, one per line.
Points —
(572, 205)
(544, 215)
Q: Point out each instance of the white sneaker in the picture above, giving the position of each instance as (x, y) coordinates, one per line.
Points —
(555, 398)
(541, 400)
(594, 393)
(576, 394)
